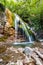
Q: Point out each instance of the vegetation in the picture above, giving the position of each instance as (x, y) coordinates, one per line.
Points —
(4, 38)
(29, 10)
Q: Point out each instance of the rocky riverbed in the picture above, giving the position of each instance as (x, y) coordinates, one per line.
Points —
(10, 55)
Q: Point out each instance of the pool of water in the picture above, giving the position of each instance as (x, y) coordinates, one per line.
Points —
(23, 44)
(27, 44)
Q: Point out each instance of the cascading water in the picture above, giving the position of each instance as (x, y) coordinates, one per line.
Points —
(16, 27)
(24, 28)
(32, 35)
(30, 39)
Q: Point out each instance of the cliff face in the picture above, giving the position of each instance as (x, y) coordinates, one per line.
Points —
(6, 20)
(2, 21)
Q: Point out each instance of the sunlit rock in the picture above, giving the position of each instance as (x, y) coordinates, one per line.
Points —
(28, 51)
(1, 60)
(11, 63)
(21, 50)
(28, 61)
(1, 35)
(19, 62)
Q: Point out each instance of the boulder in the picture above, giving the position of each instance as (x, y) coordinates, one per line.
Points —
(9, 31)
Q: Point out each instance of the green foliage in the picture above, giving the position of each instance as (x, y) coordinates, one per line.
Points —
(4, 38)
(28, 10)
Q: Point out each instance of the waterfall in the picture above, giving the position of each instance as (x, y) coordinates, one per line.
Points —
(30, 39)
(16, 27)
(24, 27)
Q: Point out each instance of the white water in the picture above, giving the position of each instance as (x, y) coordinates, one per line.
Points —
(30, 39)
(26, 31)
(16, 27)
(23, 26)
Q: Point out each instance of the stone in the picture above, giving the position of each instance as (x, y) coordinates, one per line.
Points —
(28, 51)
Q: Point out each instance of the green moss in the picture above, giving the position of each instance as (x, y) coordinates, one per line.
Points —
(13, 18)
(3, 38)
(6, 57)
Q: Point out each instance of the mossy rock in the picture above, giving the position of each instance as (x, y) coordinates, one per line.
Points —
(6, 58)
(2, 39)
(2, 48)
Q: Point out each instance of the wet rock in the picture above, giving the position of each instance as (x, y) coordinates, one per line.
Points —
(28, 51)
